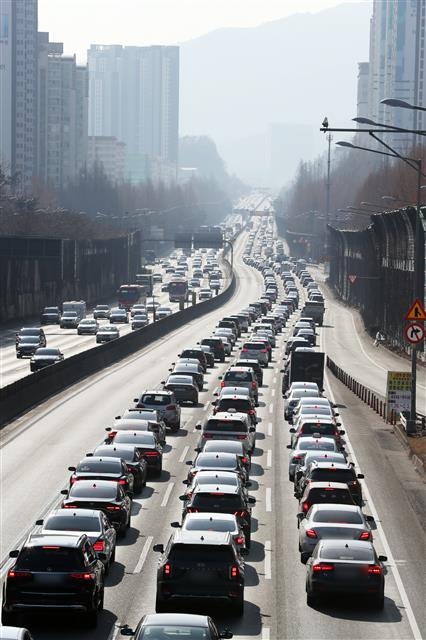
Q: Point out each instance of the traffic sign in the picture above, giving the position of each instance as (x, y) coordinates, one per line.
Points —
(352, 278)
(416, 311)
(414, 332)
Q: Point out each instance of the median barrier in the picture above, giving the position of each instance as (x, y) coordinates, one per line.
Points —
(26, 392)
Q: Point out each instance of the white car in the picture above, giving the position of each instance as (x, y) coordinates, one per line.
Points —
(118, 315)
(136, 309)
(205, 294)
(151, 304)
(87, 326)
(163, 312)
(107, 333)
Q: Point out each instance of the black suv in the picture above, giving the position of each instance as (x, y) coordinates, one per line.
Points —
(200, 565)
(319, 471)
(54, 573)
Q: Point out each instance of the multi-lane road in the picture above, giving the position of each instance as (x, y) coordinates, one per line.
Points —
(37, 449)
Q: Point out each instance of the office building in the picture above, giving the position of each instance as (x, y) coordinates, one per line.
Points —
(18, 91)
(110, 153)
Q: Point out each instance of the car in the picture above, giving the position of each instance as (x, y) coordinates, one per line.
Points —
(157, 277)
(195, 352)
(183, 388)
(255, 349)
(219, 498)
(208, 354)
(216, 462)
(301, 385)
(139, 321)
(292, 400)
(330, 471)
(238, 403)
(323, 492)
(152, 305)
(227, 446)
(345, 567)
(44, 357)
(107, 333)
(252, 363)
(87, 326)
(336, 521)
(147, 445)
(69, 320)
(293, 343)
(315, 443)
(137, 308)
(92, 522)
(167, 625)
(50, 315)
(164, 402)
(152, 415)
(241, 377)
(224, 522)
(163, 312)
(206, 568)
(266, 334)
(103, 468)
(31, 331)
(313, 425)
(134, 425)
(131, 456)
(225, 332)
(216, 345)
(49, 574)
(216, 477)
(15, 633)
(118, 315)
(228, 425)
(101, 311)
(189, 369)
(27, 346)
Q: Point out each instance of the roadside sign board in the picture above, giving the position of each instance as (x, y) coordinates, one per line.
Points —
(398, 391)
(416, 311)
(414, 332)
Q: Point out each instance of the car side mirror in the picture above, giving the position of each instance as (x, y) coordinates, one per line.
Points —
(383, 558)
(185, 482)
(198, 427)
(337, 414)
(251, 500)
(173, 364)
(126, 631)
(289, 446)
(89, 455)
(219, 377)
(197, 449)
(214, 403)
(71, 468)
(252, 429)
(117, 418)
(183, 498)
(135, 399)
(14, 553)
(189, 463)
(176, 525)
(64, 492)
(360, 476)
(369, 518)
(108, 429)
(300, 515)
(39, 522)
(338, 424)
(342, 432)
(159, 548)
(292, 430)
(170, 369)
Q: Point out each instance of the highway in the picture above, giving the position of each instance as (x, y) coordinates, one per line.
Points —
(38, 448)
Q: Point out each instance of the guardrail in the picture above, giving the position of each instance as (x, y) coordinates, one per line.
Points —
(26, 392)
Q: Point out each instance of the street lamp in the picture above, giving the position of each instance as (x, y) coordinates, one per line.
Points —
(394, 102)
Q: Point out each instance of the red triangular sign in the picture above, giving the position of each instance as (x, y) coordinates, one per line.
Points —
(416, 311)
(352, 278)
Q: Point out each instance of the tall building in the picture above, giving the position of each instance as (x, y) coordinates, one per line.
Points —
(62, 115)
(362, 109)
(397, 65)
(18, 91)
(134, 96)
(110, 153)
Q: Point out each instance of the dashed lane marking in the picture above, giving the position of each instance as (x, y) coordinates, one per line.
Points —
(144, 553)
(268, 549)
(184, 453)
(167, 494)
(268, 499)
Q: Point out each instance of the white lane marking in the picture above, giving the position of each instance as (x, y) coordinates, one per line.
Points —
(276, 369)
(207, 407)
(184, 453)
(274, 379)
(115, 631)
(269, 458)
(391, 560)
(167, 494)
(269, 428)
(268, 548)
(144, 553)
(271, 408)
(266, 633)
(268, 499)
(273, 392)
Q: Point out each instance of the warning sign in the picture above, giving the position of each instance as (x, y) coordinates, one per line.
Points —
(416, 311)
(398, 391)
(352, 278)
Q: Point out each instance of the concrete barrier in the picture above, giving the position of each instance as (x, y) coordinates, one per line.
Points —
(26, 392)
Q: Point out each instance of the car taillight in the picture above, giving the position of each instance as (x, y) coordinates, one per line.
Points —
(353, 483)
(113, 507)
(305, 506)
(191, 510)
(374, 569)
(244, 460)
(150, 454)
(70, 506)
(244, 350)
(253, 385)
(122, 482)
(240, 514)
(297, 458)
(111, 435)
(99, 545)
(263, 350)
(233, 572)
(322, 567)
(12, 573)
(365, 535)
(170, 407)
(311, 533)
(82, 576)
(222, 383)
(167, 569)
(242, 437)
(251, 412)
(73, 479)
(239, 540)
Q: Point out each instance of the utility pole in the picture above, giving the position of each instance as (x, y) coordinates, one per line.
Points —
(327, 204)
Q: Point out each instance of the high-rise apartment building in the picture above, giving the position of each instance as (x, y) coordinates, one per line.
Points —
(18, 91)
(397, 65)
(134, 96)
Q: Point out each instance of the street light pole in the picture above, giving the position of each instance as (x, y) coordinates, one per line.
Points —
(327, 206)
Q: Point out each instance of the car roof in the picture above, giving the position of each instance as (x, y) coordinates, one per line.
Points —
(336, 465)
(327, 485)
(226, 415)
(187, 619)
(221, 456)
(64, 513)
(202, 537)
(353, 508)
(207, 515)
(217, 488)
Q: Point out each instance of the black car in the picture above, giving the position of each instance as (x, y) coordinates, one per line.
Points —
(169, 625)
(209, 355)
(105, 495)
(216, 345)
(222, 499)
(197, 353)
(31, 331)
(131, 456)
(27, 346)
(103, 468)
(253, 364)
(44, 357)
(328, 471)
(92, 522)
(50, 315)
(345, 567)
(203, 567)
(183, 387)
(147, 445)
(54, 573)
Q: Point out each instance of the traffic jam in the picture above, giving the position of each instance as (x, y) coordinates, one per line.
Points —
(202, 560)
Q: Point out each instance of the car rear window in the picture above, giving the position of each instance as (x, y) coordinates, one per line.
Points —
(321, 446)
(72, 523)
(336, 475)
(344, 517)
(49, 559)
(127, 437)
(228, 479)
(225, 425)
(210, 525)
(330, 552)
(239, 405)
(324, 429)
(191, 554)
(78, 490)
(223, 503)
(100, 467)
(254, 346)
(321, 496)
(238, 376)
(157, 399)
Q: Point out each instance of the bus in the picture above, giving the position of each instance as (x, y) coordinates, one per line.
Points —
(130, 294)
(178, 289)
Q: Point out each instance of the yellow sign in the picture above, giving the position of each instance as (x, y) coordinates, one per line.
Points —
(416, 311)
(398, 390)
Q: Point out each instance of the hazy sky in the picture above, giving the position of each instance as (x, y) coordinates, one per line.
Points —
(78, 23)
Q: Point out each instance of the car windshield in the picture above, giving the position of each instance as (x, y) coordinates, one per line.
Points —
(72, 523)
(156, 399)
(195, 553)
(332, 552)
(209, 524)
(47, 352)
(238, 376)
(29, 332)
(94, 491)
(321, 445)
(49, 558)
(343, 517)
(30, 340)
(333, 474)
(324, 429)
(321, 496)
(136, 438)
(232, 403)
(218, 501)
(225, 425)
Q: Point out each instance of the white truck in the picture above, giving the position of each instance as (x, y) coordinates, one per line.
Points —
(72, 312)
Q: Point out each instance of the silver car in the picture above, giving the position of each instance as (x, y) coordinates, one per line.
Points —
(332, 521)
(255, 349)
(164, 402)
(305, 445)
